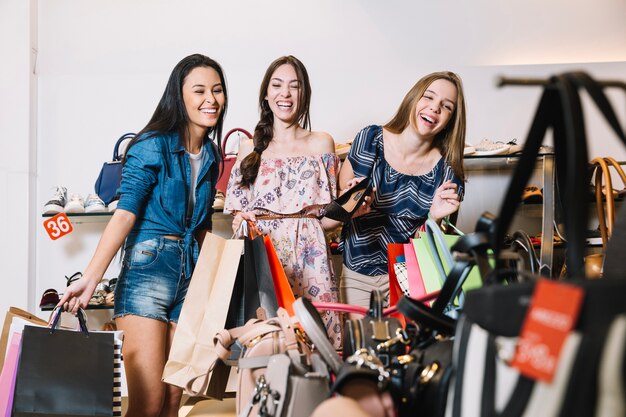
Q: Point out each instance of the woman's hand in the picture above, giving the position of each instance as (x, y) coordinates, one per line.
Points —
(241, 216)
(77, 295)
(445, 202)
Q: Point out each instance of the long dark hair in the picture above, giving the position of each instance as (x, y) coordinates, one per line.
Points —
(264, 130)
(171, 115)
(451, 140)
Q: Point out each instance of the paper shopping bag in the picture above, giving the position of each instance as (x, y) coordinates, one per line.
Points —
(204, 313)
(80, 385)
(8, 319)
(7, 377)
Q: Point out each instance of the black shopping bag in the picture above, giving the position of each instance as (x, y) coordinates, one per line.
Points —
(65, 373)
(254, 286)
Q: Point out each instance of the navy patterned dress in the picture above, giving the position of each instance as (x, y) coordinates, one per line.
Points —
(400, 206)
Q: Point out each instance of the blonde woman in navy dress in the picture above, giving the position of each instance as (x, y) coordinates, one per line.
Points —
(416, 164)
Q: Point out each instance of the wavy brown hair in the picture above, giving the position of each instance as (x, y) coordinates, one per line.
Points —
(264, 130)
(451, 140)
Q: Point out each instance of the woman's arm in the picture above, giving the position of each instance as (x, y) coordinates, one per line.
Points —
(112, 239)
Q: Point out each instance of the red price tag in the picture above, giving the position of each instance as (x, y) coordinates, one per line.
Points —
(552, 314)
(58, 226)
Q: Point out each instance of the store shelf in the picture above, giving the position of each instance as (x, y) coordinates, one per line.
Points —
(78, 218)
(545, 211)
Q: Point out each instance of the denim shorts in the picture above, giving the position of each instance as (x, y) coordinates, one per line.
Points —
(152, 281)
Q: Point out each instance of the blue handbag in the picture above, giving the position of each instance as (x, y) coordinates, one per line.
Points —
(111, 173)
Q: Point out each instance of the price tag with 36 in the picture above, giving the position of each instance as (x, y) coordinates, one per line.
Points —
(58, 226)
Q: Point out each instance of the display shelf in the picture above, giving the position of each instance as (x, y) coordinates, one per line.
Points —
(78, 218)
(545, 161)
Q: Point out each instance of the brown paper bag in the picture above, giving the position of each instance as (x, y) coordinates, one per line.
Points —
(203, 314)
(8, 318)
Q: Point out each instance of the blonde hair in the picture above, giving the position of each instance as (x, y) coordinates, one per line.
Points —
(451, 140)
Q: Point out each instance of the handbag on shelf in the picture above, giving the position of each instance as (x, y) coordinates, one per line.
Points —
(605, 196)
(228, 159)
(82, 386)
(498, 338)
(110, 175)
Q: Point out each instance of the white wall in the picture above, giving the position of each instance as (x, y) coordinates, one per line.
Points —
(18, 89)
(102, 67)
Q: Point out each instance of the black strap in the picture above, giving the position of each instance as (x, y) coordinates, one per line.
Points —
(560, 109)
(376, 304)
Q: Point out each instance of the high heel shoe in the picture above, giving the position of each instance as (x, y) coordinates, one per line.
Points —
(344, 206)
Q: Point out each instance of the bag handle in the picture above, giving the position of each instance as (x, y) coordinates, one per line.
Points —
(350, 308)
(376, 305)
(116, 149)
(434, 232)
(230, 132)
(55, 320)
(604, 188)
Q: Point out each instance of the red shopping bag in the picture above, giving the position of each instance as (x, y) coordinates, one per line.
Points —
(395, 293)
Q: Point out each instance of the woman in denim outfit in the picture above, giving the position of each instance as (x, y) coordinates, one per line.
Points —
(165, 207)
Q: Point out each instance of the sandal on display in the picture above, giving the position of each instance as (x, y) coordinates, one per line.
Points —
(74, 277)
(532, 195)
(344, 206)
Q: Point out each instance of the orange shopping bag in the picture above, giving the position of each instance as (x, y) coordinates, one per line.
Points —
(284, 294)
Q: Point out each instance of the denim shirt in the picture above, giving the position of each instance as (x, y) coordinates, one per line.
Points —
(156, 182)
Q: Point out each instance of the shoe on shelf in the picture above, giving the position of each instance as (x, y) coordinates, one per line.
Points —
(113, 204)
(76, 204)
(489, 147)
(532, 195)
(57, 203)
(515, 147)
(218, 203)
(50, 298)
(94, 204)
(469, 150)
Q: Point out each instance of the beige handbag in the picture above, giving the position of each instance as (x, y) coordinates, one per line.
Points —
(261, 341)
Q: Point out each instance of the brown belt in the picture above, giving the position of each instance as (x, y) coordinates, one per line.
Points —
(286, 216)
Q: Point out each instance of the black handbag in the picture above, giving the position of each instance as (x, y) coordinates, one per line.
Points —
(110, 175)
(371, 332)
(66, 372)
(590, 371)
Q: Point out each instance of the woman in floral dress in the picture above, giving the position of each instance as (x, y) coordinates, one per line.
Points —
(283, 178)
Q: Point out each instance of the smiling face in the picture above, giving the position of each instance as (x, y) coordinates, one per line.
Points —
(283, 93)
(203, 95)
(435, 108)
